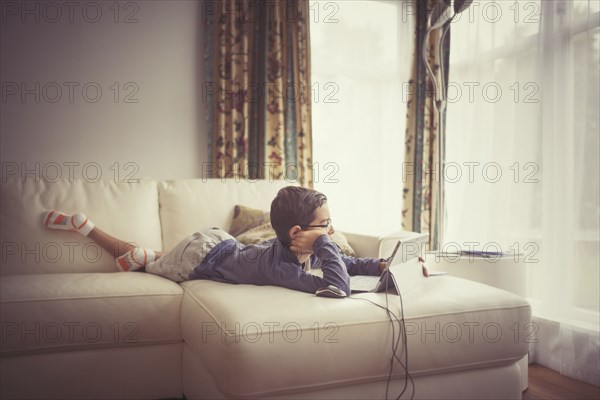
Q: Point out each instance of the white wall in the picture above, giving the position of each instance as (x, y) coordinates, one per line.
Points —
(163, 135)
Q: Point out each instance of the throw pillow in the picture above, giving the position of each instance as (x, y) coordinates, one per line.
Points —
(258, 234)
(246, 218)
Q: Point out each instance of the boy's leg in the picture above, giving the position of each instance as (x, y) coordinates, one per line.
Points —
(179, 262)
(128, 255)
(114, 246)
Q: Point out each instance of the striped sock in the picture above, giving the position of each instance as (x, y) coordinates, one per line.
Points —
(135, 259)
(77, 222)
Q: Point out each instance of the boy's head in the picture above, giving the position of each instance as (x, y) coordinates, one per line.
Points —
(294, 206)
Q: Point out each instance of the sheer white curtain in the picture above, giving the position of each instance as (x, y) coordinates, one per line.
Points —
(360, 59)
(522, 169)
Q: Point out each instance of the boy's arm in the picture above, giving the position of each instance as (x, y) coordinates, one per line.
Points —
(332, 264)
(363, 266)
(318, 243)
(354, 266)
(287, 274)
(292, 277)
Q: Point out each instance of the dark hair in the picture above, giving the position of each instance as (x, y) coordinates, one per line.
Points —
(294, 205)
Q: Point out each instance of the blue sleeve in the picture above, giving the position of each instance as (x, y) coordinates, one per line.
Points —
(362, 266)
(289, 275)
(332, 264)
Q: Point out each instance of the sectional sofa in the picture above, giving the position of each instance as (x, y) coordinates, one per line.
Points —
(73, 327)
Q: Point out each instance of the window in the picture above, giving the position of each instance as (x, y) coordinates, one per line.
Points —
(358, 111)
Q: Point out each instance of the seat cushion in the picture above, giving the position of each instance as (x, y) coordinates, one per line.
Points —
(128, 211)
(256, 341)
(60, 312)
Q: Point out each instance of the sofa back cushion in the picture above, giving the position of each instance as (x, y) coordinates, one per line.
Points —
(188, 205)
(128, 211)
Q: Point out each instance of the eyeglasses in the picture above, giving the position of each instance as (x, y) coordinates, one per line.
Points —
(327, 226)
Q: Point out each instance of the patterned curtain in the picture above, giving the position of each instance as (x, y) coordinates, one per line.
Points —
(257, 88)
(419, 212)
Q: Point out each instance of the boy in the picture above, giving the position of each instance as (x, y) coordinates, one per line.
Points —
(301, 220)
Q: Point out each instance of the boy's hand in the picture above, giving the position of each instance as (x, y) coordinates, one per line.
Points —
(302, 242)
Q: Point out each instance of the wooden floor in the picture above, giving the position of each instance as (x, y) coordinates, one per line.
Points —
(546, 384)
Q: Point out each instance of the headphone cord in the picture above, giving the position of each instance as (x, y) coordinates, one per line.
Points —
(395, 342)
(407, 374)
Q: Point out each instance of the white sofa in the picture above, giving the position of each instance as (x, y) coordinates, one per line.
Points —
(74, 327)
